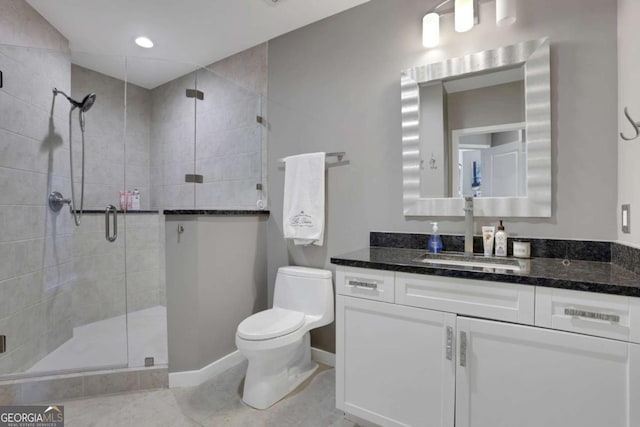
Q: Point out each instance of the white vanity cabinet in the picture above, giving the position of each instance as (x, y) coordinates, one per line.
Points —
(440, 363)
(395, 365)
(515, 375)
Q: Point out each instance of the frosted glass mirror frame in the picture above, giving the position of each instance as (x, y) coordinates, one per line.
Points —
(535, 56)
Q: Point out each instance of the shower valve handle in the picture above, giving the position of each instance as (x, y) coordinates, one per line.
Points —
(56, 201)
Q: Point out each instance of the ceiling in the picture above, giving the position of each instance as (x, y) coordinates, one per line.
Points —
(186, 33)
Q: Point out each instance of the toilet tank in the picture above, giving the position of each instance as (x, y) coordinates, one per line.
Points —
(304, 289)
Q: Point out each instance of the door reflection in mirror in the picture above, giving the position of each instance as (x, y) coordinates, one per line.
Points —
(474, 125)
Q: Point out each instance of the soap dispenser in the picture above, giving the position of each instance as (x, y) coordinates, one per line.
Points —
(501, 241)
(435, 242)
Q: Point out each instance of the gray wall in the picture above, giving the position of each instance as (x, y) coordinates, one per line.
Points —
(334, 85)
(495, 105)
(216, 277)
(628, 96)
(433, 119)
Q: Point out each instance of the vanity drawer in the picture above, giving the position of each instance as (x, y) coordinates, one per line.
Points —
(602, 315)
(363, 283)
(492, 300)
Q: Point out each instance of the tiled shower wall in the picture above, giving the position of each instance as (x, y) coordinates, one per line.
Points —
(36, 266)
(99, 267)
(102, 265)
(107, 154)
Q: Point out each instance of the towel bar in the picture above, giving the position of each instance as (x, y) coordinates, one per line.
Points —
(338, 154)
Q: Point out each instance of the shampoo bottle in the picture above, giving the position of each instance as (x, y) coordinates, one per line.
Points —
(501, 241)
(435, 242)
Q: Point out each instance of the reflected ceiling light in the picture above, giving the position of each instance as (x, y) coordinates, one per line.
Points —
(144, 42)
(431, 30)
(505, 12)
(463, 15)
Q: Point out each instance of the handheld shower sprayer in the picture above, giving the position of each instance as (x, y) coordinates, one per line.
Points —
(83, 106)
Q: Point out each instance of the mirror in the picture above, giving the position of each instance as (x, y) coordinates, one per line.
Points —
(479, 126)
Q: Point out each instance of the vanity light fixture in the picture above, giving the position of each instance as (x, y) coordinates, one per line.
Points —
(505, 12)
(465, 17)
(431, 30)
(144, 42)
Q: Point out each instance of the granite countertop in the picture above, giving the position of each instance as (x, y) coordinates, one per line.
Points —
(120, 211)
(591, 276)
(214, 212)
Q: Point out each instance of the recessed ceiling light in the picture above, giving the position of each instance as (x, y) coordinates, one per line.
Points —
(144, 42)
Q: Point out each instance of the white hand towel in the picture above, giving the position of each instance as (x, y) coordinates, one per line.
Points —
(303, 211)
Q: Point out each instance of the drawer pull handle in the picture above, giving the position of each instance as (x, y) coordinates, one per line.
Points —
(463, 349)
(364, 285)
(449, 350)
(592, 315)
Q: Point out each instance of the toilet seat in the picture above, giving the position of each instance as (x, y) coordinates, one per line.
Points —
(271, 323)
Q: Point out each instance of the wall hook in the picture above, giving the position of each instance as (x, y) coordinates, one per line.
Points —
(432, 162)
(636, 126)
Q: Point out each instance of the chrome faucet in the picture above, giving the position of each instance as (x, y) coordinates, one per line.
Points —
(468, 226)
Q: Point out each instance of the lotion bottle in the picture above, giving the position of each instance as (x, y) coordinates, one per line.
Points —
(501, 241)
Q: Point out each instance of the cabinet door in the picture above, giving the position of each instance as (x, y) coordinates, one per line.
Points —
(395, 365)
(513, 375)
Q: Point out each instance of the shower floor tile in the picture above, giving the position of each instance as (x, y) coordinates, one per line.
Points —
(104, 343)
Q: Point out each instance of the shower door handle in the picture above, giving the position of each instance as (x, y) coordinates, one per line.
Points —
(107, 232)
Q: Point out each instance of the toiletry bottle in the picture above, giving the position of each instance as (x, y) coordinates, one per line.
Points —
(501, 241)
(135, 200)
(123, 200)
(435, 242)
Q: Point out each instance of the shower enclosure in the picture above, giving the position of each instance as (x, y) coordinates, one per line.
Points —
(72, 300)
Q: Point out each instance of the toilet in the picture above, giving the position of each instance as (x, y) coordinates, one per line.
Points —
(276, 341)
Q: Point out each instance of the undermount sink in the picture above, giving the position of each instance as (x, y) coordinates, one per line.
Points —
(461, 260)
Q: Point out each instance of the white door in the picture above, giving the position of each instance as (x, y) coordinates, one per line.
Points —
(503, 169)
(513, 375)
(393, 363)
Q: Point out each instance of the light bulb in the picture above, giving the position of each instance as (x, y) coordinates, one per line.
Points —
(505, 12)
(464, 16)
(431, 30)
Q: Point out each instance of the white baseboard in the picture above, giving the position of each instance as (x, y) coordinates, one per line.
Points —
(194, 378)
(323, 357)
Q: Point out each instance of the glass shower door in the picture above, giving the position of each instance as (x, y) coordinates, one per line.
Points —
(230, 138)
(62, 285)
(159, 147)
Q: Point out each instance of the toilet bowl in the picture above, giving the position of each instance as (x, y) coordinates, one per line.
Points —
(276, 341)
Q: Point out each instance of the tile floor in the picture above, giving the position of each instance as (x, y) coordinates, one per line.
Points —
(214, 403)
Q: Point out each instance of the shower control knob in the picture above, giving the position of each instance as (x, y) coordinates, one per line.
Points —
(56, 201)
(180, 229)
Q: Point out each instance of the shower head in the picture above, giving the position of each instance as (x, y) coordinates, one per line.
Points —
(84, 105)
(87, 102)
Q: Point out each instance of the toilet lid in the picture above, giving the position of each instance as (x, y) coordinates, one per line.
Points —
(272, 323)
